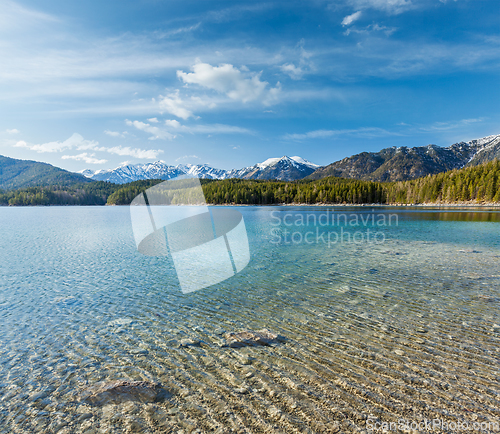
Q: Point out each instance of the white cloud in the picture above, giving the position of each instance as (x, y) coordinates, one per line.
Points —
(347, 21)
(88, 158)
(188, 157)
(16, 18)
(206, 129)
(156, 133)
(174, 32)
(228, 80)
(114, 133)
(75, 141)
(389, 6)
(153, 120)
(304, 64)
(173, 127)
(360, 132)
(133, 152)
(172, 123)
(174, 105)
(12, 131)
(451, 125)
(371, 28)
(293, 71)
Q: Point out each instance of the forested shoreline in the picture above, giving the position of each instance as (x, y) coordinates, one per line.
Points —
(478, 184)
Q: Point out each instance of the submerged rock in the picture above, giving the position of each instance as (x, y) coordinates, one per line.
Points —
(486, 298)
(122, 391)
(248, 338)
(190, 343)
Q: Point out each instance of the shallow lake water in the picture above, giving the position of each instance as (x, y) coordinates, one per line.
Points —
(404, 325)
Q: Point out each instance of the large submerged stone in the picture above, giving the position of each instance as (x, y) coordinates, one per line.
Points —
(251, 338)
(121, 391)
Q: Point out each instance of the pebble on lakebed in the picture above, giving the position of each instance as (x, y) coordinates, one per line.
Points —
(248, 338)
(121, 391)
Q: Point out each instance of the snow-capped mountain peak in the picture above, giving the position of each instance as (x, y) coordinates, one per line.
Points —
(284, 168)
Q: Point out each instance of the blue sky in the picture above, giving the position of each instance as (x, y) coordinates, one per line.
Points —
(231, 83)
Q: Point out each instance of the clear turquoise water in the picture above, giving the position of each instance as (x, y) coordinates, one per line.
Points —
(405, 328)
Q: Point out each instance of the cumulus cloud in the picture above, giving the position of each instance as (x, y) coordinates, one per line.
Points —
(153, 120)
(12, 131)
(156, 133)
(227, 79)
(88, 158)
(347, 21)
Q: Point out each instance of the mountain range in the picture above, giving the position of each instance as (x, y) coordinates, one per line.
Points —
(284, 168)
(390, 164)
(402, 163)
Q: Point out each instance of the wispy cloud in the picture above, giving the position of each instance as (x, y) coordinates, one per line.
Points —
(236, 12)
(451, 125)
(155, 132)
(143, 154)
(88, 158)
(15, 17)
(172, 128)
(12, 131)
(115, 133)
(304, 63)
(370, 29)
(180, 30)
(174, 125)
(359, 132)
(188, 157)
(389, 6)
(76, 141)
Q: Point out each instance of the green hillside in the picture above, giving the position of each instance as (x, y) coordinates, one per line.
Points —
(89, 193)
(25, 173)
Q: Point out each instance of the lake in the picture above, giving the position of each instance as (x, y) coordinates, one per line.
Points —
(389, 316)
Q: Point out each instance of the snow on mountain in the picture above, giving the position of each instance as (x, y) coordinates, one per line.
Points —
(284, 168)
(267, 163)
(305, 162)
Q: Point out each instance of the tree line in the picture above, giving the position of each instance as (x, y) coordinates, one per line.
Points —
(92, 193)
(472, 184)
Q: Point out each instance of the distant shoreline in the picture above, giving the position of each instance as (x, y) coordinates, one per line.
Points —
(346, 205)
